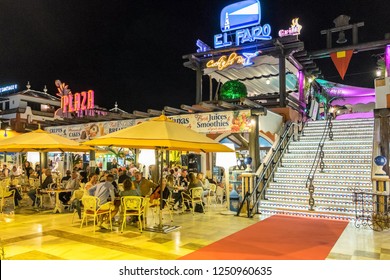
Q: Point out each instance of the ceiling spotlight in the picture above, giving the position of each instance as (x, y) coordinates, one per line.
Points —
(310, 80)
(268, 81)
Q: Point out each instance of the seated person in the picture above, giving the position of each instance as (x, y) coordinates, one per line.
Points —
(144, 186)
(105, 192)
(183, 181)
(129, 189)
(122, 176)
(12, 186)
(66, 178)
(156, 194)
(72, 184)
(194, 183)
(48, 180)
(93, 180)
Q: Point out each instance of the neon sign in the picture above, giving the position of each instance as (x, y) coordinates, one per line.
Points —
(239, 17)
(202, 46)
(295, 29)
(8, 88)
(227, 61)
(79, 103)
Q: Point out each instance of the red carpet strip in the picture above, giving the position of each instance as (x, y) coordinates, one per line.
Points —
(276, 238)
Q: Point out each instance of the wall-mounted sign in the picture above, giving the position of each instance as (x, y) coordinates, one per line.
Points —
(227, 61)
(209, 123)
(81, 103)
(239, 17)
(295, 29)
(202, 46)
(8, 88)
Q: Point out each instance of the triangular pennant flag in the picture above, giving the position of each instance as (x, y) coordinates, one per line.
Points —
(341, 61)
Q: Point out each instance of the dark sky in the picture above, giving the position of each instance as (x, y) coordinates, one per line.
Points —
(131, 51)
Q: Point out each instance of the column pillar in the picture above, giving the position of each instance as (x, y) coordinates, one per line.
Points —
(282, 80)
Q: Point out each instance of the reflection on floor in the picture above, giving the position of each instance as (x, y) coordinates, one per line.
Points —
(42, 235)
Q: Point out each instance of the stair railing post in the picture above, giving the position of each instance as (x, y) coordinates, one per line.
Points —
(310, 187)
(322, 164)
(330, 127)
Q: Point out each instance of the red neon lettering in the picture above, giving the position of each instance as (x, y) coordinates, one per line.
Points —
(91, 99)
(84, 100)
(71, 108)
(64, 103)
(77, 101)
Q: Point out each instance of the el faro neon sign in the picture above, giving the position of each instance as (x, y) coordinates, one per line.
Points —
(239, 17)
(78, 102)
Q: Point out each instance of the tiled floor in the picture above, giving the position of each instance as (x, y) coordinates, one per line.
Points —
(29, 234)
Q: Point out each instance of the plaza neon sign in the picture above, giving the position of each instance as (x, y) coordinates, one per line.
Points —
(78, 102)
(239, 17)
(295, 29)
(227, 61)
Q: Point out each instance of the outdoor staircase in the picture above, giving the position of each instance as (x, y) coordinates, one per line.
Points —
(347, 160)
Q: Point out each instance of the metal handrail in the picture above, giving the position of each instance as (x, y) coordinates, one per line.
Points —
(269, 169)
(319, 154)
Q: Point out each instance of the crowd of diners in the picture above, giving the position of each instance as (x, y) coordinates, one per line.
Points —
(108, 185)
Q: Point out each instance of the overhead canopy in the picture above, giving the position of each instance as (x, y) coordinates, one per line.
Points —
(261, 78)
(350, 95)
(160, 132)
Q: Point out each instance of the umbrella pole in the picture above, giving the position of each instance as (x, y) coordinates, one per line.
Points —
(160, 228)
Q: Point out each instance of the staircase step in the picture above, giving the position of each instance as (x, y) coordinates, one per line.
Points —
(329, 156)
(342, 166)
(330, 162)
(327, 170)
(332, 188)
(355, 123)
(322, 176)
(275, 194)
(335, 208)
(348, 183)
(350, 142)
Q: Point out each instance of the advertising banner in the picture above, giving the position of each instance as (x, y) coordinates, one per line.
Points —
(208, 123)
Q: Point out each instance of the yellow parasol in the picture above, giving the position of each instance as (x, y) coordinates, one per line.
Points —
(41, 141)
(161, 134)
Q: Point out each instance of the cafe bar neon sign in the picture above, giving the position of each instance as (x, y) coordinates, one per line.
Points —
(226, 61)
(295, 29)
(78, 102)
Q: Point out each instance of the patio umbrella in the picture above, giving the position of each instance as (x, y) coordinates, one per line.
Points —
(161, 134)
(41, 141)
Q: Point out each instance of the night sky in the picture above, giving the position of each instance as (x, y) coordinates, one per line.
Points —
(131, 51)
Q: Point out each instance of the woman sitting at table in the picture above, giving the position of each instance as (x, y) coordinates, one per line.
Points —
(12, 186)
(194, 183)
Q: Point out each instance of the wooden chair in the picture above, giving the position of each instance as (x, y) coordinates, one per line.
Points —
(133, 206)
(195, 197)
(92, 209)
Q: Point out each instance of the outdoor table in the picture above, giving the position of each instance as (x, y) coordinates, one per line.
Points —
(58, 206)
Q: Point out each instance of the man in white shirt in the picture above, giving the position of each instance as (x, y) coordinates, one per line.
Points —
(72, 184)
(103, 191)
